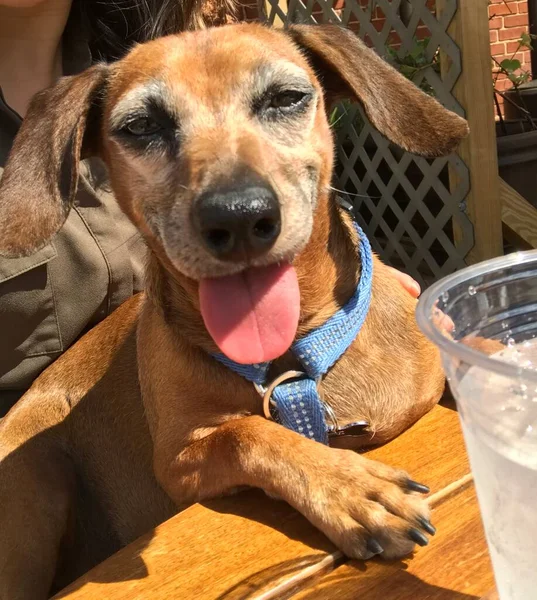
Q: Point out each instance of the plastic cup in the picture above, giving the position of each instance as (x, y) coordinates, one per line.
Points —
(490, 359)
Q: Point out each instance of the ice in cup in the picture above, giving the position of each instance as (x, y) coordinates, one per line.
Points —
(490, 359)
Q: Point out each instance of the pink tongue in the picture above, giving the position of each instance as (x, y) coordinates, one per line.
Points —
(252, 316)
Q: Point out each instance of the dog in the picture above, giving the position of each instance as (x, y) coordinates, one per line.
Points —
(219, 150)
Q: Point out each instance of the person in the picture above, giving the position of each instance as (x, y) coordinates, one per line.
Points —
(51, 298)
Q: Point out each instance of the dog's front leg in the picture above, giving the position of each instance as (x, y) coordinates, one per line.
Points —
(363, 506)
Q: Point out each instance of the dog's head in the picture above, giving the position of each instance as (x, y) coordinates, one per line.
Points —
(217, 142)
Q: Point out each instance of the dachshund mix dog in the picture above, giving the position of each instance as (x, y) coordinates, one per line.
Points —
(219, 150)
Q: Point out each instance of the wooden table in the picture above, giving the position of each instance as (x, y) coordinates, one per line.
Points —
(249, 546)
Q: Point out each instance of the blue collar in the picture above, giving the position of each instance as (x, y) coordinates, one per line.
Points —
(293, 399)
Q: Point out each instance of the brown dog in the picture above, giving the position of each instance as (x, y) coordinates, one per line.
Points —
(137, 419)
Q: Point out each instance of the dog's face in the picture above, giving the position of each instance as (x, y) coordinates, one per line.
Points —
(219, 147)
(217, 141)
(219, 150)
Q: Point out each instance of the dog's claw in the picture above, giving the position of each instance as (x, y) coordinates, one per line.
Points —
(418, 537)
(374, 547)
(414, 486)
(427, 526)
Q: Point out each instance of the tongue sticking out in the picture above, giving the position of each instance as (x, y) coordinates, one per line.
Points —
(252, 316)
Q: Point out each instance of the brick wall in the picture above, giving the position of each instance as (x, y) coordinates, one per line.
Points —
(508, 21)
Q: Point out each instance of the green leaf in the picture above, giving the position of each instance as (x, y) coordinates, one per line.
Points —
(391, 52)
(408, 71)
(525, 40)
(510, 65)
(417, 51)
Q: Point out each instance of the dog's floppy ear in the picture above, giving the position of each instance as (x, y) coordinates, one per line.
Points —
(41, 173)
(347, 68)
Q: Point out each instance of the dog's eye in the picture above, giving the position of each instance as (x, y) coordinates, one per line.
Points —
(142, 126)
(278, 103)
(287, 100)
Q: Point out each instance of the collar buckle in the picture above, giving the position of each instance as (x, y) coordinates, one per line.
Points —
(354, 429)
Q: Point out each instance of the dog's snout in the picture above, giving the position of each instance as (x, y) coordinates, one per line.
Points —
(238, 223)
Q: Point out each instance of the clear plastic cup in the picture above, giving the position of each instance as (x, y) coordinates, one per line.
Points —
(490, 359)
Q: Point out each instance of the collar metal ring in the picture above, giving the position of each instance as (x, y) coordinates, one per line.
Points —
(265, 391)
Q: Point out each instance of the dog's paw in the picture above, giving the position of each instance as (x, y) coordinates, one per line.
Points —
(367, 508)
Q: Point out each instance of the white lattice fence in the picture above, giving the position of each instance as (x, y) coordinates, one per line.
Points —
(408, 205)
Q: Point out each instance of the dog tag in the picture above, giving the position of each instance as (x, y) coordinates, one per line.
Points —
(355, 429)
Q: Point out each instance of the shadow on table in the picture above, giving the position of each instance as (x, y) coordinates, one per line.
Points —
(352, 582)
(126, 565)
(266, 579)
(447, 400)
(346, 583)
(255, 505)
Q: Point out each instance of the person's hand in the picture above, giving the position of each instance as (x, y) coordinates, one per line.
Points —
(410, 284)
(441, 320)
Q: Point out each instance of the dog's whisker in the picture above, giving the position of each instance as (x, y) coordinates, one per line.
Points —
(332, 125)
(334, 189)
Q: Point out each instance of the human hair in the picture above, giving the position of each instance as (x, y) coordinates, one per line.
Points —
(112, 27)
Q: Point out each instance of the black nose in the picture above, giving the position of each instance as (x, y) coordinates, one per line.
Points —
(238, 223)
